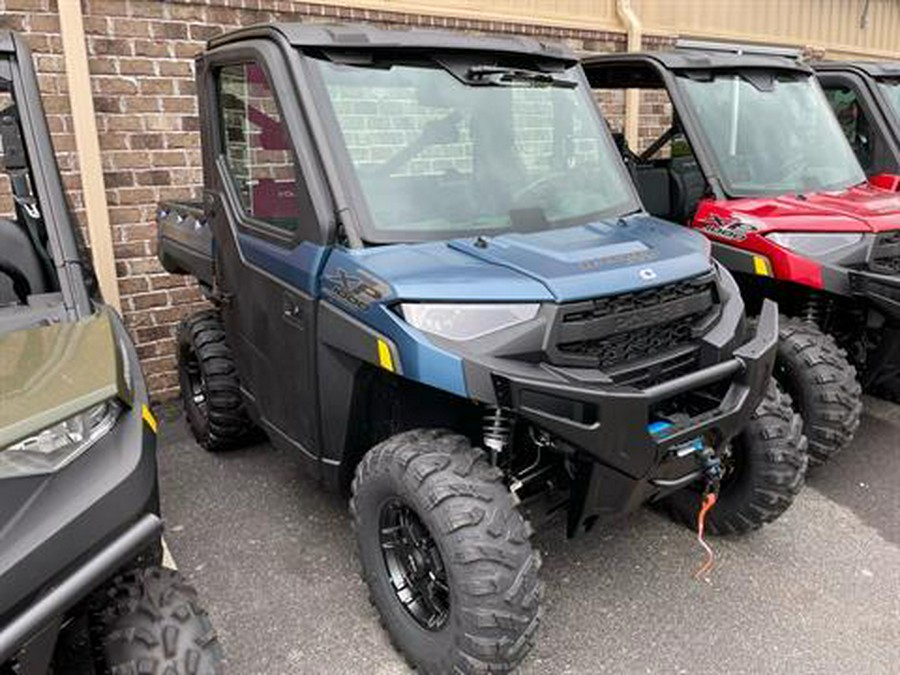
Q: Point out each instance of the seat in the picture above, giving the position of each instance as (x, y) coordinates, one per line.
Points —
(653, 186)
(688, 187)
(17, 256)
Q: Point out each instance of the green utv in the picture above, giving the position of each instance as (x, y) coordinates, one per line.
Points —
(81, 590)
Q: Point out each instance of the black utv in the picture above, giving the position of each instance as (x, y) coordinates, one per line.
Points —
(81, 587)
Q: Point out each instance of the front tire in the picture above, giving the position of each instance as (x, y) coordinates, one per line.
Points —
(210, 389)
(467, 551)
(764, 472)
(816, 373)
(151, 623)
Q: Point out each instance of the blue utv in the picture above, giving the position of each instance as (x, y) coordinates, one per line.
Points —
(430, 276)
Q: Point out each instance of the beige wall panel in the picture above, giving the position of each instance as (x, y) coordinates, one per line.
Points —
(833, 24)
(837, 25)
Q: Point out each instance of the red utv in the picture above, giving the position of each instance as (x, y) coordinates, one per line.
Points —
(751, 155)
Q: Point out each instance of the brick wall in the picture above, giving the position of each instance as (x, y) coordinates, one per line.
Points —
(140, 57)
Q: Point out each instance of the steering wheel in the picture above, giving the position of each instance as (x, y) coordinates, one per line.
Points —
(535, 185)
(20, 284)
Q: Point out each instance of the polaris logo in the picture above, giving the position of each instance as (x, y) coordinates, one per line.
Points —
(647, 274)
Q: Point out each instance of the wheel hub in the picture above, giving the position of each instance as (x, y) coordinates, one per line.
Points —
(414, 566)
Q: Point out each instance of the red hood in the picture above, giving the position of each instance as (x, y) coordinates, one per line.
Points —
(859, 209)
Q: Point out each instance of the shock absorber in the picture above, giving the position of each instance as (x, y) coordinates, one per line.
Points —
(813, 309)
(497, 431)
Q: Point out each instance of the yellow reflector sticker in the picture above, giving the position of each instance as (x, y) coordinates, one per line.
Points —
(148, 417)
(384, 355)
(761, 266)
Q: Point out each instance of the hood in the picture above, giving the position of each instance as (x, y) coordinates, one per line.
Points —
(604, 258)
(50, 373)
(858, 209)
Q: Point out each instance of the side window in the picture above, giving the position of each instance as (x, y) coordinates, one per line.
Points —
(7, 205)
(852, 116)
(257, 147)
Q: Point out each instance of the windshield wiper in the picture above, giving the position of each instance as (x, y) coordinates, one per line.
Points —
(498, 76)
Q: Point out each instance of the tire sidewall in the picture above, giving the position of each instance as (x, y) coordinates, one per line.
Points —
(187, 350)
(433, 650)
(815, 372)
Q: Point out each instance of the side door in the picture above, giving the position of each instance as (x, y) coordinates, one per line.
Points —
(861, 121)
(268, 240)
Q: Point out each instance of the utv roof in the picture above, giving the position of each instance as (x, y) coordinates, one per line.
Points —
(699, 60)
(7, 46)
(870, 68)
(364, 37)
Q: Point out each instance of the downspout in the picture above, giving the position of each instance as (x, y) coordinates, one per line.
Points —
(634, 31)
(87, 142)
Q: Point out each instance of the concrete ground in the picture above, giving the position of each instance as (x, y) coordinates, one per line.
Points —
(816, 592)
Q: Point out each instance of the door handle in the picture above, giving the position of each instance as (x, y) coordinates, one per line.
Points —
(292, 311)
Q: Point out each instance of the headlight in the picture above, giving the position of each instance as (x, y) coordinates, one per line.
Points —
(464, 321)
(815, 244)
(56, 446)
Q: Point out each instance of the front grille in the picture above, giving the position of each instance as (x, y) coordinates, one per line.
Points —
(613, 331)
(634, 344)
(886, 254)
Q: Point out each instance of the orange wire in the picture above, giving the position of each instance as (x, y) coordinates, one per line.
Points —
(701, 523)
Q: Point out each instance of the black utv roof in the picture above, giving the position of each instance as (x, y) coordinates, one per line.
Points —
(698, 60)
(365, 37)
(871, 68)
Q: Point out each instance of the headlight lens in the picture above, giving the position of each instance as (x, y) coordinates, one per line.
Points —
(815, 244)
(56, 446)
(466, 321)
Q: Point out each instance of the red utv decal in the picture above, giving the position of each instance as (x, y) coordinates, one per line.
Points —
(728, 227)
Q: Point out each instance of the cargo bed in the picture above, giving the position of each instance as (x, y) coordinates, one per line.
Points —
(185, 240)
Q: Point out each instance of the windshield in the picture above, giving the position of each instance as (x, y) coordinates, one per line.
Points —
(437, 157)
(891, 91)
(772, 134)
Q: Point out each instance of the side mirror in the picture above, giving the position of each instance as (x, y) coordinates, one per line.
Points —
(886, 181)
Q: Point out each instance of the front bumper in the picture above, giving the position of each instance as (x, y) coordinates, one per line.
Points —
(74, 586)
(623, 463)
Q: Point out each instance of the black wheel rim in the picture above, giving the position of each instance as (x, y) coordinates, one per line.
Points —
(195, 381)
(414, 566)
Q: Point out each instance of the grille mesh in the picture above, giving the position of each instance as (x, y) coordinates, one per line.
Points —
(632, 345)
(612, 331)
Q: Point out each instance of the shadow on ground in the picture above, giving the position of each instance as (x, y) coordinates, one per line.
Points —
(817, 592)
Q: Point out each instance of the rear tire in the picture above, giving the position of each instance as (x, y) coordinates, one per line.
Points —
(763, 475)
(151, 623)
(816, 373)
(479, 551)
(210, 388)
